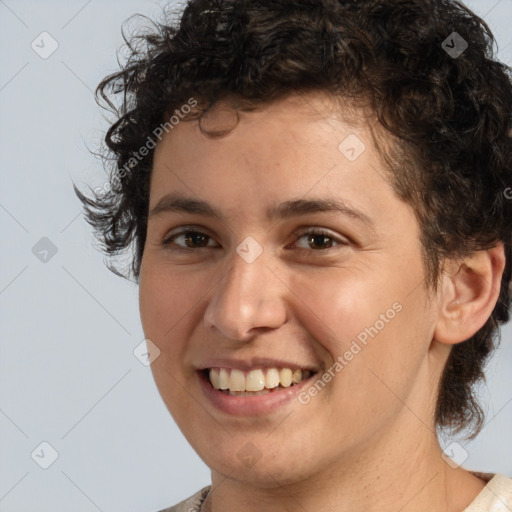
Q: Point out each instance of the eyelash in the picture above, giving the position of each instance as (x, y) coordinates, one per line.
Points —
(168, 243)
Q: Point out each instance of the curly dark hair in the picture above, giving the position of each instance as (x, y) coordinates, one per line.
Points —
(448, 113)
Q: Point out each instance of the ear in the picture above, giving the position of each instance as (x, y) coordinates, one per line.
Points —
(467, 293)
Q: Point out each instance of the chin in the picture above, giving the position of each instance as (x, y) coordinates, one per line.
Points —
(264, 467)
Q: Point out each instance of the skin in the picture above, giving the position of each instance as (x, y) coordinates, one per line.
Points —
(367, 440)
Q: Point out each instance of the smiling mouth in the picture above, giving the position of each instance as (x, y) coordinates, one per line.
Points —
(255, 382)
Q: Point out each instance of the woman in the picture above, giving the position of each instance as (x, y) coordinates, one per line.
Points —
(316, 194)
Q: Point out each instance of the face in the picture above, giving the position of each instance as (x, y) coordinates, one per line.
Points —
(274, 249)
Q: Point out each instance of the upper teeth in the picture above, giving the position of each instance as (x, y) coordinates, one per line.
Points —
(255, 380)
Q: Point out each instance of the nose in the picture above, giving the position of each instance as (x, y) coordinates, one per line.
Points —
(249, 299)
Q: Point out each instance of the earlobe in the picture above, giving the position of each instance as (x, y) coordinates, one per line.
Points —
(467, 293)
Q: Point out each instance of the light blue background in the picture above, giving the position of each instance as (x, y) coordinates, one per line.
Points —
(68, 375)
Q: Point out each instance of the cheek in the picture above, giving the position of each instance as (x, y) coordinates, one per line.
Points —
(166, 297)
(370, 325)
(169, 303)
(336, 306)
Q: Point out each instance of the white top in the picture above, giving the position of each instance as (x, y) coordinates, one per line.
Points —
(496, 496)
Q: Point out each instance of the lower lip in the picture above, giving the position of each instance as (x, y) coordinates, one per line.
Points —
(251, 405)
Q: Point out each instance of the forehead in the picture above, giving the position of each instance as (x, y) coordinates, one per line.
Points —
(302, 146)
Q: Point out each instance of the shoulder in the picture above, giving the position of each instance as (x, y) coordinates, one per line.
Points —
(496, 496)
(192, 504)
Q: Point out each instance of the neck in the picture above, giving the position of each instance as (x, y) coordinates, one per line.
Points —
(413, 477)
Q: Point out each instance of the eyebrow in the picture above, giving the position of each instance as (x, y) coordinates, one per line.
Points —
(173, 203)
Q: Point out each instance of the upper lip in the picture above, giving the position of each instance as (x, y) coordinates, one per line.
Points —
(255, 363)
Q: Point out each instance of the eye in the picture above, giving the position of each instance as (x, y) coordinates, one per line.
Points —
(189, 239)
(315, 239)
(318, 240)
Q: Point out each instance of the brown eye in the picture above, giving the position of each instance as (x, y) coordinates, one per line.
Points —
(318, 240)
(189, 240)
(196, 239)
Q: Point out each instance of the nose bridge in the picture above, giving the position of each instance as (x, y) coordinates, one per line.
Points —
(249, 297)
